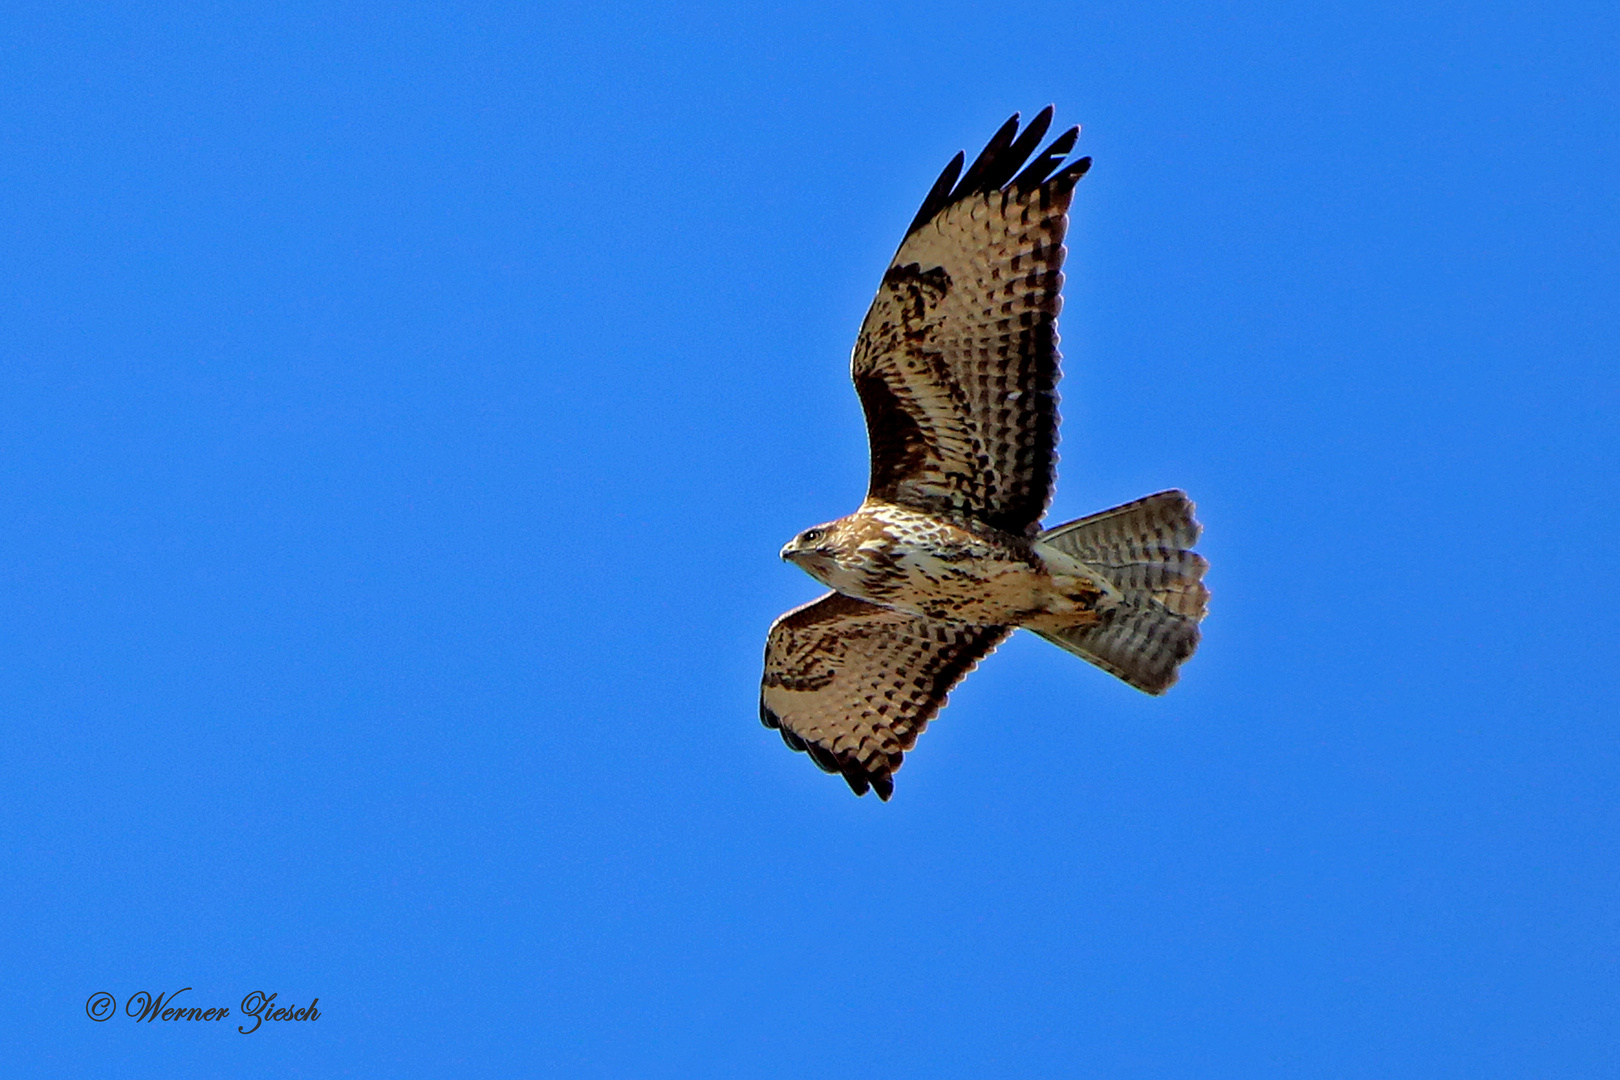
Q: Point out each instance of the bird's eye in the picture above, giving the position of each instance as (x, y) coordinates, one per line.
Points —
(812, 535)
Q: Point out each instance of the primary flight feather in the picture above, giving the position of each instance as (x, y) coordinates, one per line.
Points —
(956, 367)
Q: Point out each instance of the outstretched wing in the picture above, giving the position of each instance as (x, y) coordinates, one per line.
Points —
(854, 684)
(957, 361)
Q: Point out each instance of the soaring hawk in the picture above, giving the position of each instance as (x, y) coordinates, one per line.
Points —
(957, 369)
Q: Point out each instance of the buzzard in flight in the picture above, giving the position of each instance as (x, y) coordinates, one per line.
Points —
(957, 369)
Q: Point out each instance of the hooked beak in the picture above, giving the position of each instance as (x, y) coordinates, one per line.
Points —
(806, 557)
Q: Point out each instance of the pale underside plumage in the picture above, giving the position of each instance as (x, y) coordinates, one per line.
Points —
(956, 367)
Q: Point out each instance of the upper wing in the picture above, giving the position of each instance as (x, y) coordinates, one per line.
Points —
(957, 361)
(854, 684)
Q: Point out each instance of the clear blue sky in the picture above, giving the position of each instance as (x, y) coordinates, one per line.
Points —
(401, 409)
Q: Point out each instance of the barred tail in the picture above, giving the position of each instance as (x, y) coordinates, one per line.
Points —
(1144, 550)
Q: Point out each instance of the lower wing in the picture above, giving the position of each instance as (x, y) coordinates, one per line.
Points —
(853, 684)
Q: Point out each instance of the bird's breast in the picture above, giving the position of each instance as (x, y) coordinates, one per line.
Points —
(944, 569)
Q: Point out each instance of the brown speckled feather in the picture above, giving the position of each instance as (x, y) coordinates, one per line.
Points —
(957, 360)
(853, 684)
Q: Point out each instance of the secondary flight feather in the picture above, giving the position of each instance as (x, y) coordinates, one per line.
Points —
(956, 367)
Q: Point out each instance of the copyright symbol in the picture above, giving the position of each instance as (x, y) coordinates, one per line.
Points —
(100, 1006)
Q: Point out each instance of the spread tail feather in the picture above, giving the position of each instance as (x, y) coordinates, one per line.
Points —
(1143, 549)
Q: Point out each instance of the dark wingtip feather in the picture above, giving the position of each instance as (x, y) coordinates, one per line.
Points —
(989, 158)
(1007, 163)
(1041, 167)
(858, 779)
(822, 757)
(939, 195)
(998, 165)
(1074, 172)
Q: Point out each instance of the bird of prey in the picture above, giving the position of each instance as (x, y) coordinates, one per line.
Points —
(956, 367)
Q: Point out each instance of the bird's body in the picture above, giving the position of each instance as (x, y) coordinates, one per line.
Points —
(950, 567)
(956, 367)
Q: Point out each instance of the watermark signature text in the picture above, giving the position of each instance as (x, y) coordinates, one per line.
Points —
(145, 1007)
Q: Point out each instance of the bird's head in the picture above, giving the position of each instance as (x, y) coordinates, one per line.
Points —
(822, 552)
